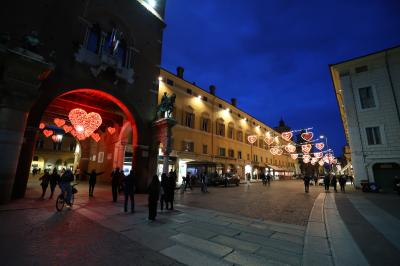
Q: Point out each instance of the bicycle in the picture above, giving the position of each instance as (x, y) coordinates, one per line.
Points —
(60, 202)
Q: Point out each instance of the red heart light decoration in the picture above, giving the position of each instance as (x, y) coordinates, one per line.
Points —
(67, 128)
(318, 155)
(59, 122)
(42, 125)
(95, 136)
(287, 135)
(290, 148)
(269, 140)
(80, 136)
(111, 130)
(294, 156)
(252, 138)
(84, 123)
(319, 145)
(73, 132)
(306, 148)
(307, 136)
(48, 132)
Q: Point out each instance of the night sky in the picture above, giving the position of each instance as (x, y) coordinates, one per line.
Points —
(273, 56)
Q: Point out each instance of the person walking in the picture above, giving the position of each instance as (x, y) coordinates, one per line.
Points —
(188, 181)
(45, 182)
(327, 180)
(92, 180)
(269, 177)
(54, 180)
(164, 191)
(154, 193)
(306, 183)
(129, 191)
(171, 189)
(342, 183)
(334, 183)
(264, 179)
(315, 180)
(77, 174)
(115, 180)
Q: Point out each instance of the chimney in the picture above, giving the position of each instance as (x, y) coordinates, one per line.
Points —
(212, 89)
(234, 101)
(179, 72)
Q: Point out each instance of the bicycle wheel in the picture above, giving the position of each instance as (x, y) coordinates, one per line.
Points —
(60, 202)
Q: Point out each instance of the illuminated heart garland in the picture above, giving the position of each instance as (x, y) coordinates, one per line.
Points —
(276, 151)
(67, 128)
(96, 137)
(48, 132)
(294, 156)
(252, 138)
(318, 155)
(290, 148)
(306, 148)
(287, 135)
(59, 122)
(42, 125)
(84, 123)
(111, 130)
(307, 136)
(269, 140)
(319, 145)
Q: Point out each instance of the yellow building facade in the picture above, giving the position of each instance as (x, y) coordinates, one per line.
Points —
(211, 135)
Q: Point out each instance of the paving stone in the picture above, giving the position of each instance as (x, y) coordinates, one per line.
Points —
(287, 237)
(236, 243)
(314, 244)
(280, 255)
(157, 239)
(274, 243)
(291, 226)
(251, 229)
(316, 229)
(287, 230)
(317, 259)
(242, 258)
(181, 220)
(223, 230)
(233, 220)
(210, 220)
(191, 257)
(199, 244)
(195, 231)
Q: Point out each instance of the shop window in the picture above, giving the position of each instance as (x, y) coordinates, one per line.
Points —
(222, 152)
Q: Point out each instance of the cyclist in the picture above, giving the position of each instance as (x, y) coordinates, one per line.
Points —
(65, 183)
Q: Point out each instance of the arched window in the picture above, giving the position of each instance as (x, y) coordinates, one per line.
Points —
(239, 135)
(205, 122)
(189, 117)
(220, 127)
(231, 131)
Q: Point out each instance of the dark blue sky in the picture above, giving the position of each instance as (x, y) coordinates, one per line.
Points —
(273, 56)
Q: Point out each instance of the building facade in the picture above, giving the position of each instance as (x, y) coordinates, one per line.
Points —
(98, 56)
(368, 93)
(211, 134)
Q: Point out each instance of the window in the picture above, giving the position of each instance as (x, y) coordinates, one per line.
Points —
(205, 98)
(220, 106)
(367, 99)
(220, 128)
(204, 149)
(361, 69)
(188, 146)
(231, 153)
(239, 155)
(189, 119)
(189, 91)
(373, 135)
(239, 136)
(205, 124)
(230, 132)
(248, 156)
(170, 82)
(222, 152)
(93, 41)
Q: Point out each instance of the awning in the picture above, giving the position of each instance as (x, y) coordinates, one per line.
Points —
(276, 168)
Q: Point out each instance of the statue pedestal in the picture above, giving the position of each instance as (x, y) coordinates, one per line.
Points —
(164, 134)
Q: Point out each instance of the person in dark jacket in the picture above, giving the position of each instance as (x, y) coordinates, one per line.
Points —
(334, 182)
(129, 191)
(327, 180)
(115, 180)
(315, 180)
(92, 180)
(171, 189)
(306, 183)
(45, 182)
(54, 180)
(342, 183)
(164, 191)
(154, 194)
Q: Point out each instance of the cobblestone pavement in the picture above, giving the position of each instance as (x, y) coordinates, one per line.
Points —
(283, 201)
(339, 229)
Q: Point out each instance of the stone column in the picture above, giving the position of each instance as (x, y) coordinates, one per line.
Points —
(164, 136)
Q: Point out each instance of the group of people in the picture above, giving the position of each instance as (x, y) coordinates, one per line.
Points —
(266, 179)
(63, 180)
(329, 180)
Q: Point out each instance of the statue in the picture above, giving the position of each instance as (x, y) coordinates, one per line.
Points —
(166, 106)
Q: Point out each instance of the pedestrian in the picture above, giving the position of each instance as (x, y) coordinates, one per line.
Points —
(269, 177)
(188, 181)
(248, 179)
(306, 183)
(352, 180)
(171, 188)
(77, 174)
(129, 190)
(315, 180)
(92, 180)
(54, 180)
(264, 179)
(327, 181)
(115, 181)
(65, 183)
(45, 182)
(205, 181)
(342, 183)
(154, 193)
(334, 182)
(164, 191)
